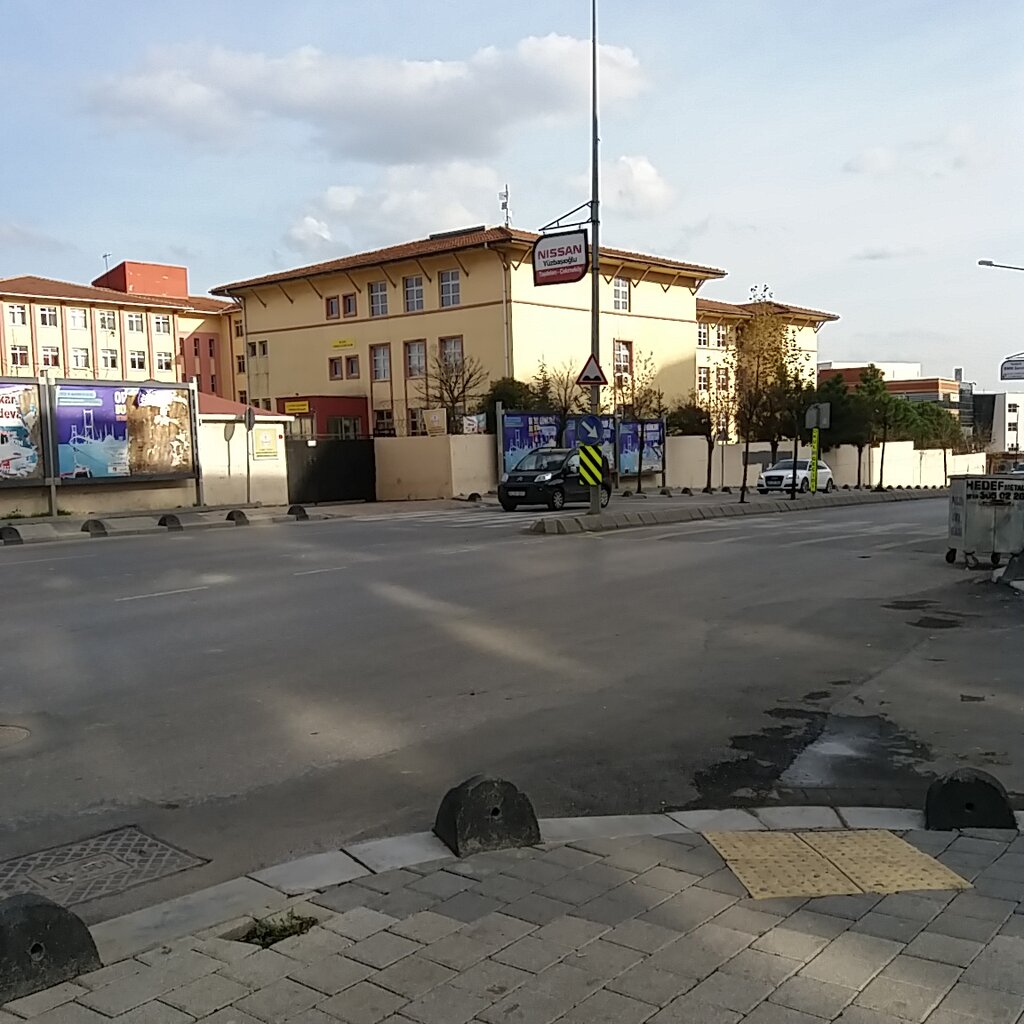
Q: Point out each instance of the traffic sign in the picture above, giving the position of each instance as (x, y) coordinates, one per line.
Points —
(250, 418)
(815, 454)
(588, 430)
(1012, 368)
(591, 373)
(819, 416)
(590, 464)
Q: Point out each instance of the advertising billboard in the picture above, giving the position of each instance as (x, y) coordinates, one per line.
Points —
(653, 447)
(113, 431)
(21, 445)
(524, 431)
(561, 258)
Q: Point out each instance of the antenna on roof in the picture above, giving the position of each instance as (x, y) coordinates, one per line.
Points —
(106, 260)
(503, 196)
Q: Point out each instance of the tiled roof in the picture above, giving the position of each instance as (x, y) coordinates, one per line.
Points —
(712, 306)
(31, 287)
(454, 242)
(797, 311)
(214, 405)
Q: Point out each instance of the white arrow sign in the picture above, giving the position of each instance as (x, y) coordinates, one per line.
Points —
(592, 373)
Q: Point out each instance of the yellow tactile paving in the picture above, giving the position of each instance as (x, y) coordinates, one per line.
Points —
(878, 861)
(829, 863)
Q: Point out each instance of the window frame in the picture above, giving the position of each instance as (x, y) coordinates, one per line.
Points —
(453, 296)
(412, 307)
(350, 362)
(703, 335)
(19, 355)
(417, 422)
(384, 413)
(161, 355)
(105, 317)
(45, 313)
(407, 348)
(137, 359)
(109, 359)
(250, 349)
(622, 345)
(449, 339)
(332, 307)
(135, 318)
(264, 348)
(76, 352)
(73, 315)
(703, 378)
(377, 293)
(237, 326)
(17, 314)
(722, 378)
(161, 323)
(622, 297)
(335, 363)
(385, 349)
(239, 362)
(49, 356)
(349, 308)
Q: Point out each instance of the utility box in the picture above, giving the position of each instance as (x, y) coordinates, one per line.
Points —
(986, 517)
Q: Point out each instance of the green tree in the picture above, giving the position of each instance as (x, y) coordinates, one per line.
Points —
(514, 395)
(849, 423)
(695, 418)
(888, 416)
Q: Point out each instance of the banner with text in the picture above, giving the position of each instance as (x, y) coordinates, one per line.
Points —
(21, 447)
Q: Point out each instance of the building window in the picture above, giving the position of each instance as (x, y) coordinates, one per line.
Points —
(80, 358)
(1012, 407)
(164, 361)
(243, 397)
(78, 319)
(450, 288)
(723, 336)
(348, 305)
(413, 289)
(383, 423)
(107, 320)
(137, 359)
(264, 348)
(266, 404)
(703, 378)
(722, 378)
(620, 293)
(162, 324)
(238, 328)
(336, 368)
(213, 347)
(378, 298)
(195, 347)
(702, 335)
(352, 367)
(47, 316)
(332, 307)
(380, 360)
(17, 315)
(450, 350)
(108, 358)
(417, 423)
(345, 427)
(19, 355)
(239, 364)
(415, 359)
(51, 355)
(134, 323)
(623, 351)
(251, 349)
(1012, 427)
(213, 383)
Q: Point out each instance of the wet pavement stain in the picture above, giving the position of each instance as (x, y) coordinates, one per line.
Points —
(908, 605)
(932, 622)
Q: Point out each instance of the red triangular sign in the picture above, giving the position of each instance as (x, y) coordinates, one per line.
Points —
(591, 373)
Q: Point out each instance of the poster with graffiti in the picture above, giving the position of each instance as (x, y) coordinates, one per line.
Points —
(21, 450)
(653, 447)
(607, 436)
(524, 431)
(111, 432)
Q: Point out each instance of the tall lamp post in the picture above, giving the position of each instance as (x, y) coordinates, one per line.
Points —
(1001, 266)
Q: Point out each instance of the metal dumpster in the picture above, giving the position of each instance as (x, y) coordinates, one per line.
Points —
(986, 517)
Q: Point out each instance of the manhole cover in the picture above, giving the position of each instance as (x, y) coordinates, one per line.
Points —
(11, 734)
(92, 868)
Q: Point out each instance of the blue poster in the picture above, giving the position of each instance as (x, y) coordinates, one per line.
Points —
(629, 444)
(92, 431)
(524, 431)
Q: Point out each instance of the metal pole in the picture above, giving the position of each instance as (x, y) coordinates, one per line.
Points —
(595, 241)
(796, 450)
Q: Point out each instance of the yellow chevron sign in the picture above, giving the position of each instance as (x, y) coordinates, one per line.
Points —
(590, 464)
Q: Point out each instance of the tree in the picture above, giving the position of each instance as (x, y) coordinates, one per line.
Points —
(762, 344)
(555, 390)
(513, 394)
(707, 414)
(849, 421)
(886, 414)
(647, 400)
(454, 383)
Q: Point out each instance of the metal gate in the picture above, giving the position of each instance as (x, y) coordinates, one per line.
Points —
(329, 469)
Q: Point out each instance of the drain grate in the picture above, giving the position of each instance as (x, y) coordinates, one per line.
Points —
(90, 869)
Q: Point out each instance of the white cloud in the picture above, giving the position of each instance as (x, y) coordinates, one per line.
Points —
(634, 187)
(884, 252)
(931, 157)
(406, 202)
(17, 237)
(373, 109)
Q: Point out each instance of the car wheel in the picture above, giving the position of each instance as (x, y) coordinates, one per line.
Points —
(805, 485)
(996, 559)
(509, 506)
(951, 556)
(829, 487)
(606, 496)
(557, 500)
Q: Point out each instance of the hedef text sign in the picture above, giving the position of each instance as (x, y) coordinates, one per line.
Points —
(561, 258)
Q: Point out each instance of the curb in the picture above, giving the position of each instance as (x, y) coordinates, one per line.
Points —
(667, 516)
(279, 886)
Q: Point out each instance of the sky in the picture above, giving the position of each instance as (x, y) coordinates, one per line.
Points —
(857, 158)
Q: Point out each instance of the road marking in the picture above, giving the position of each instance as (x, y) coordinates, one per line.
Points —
(56, 558)
(315, 572)
(162, 593)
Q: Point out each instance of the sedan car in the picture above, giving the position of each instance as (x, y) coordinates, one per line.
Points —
(780, 477)
(549, 476)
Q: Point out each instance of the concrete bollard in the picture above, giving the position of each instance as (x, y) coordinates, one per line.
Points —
(484, 814)
(41, 945)
(298, 512)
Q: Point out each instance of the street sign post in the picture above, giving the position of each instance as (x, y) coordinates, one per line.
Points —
(589, 430)
(592, 375)
(815, 449)
(250, 422)
(590, 464)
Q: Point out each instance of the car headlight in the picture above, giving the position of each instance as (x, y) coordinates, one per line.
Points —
(504, 478)
(543, 478)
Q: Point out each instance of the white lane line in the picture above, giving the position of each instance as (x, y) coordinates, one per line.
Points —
(56, 558)
(315, 572)
(161, 593)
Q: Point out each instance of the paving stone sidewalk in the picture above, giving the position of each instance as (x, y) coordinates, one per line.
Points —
(594, 931)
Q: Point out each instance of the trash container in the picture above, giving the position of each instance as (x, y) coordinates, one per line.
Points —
(986, 517)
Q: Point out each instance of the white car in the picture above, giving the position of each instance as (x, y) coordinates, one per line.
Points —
(780, 477)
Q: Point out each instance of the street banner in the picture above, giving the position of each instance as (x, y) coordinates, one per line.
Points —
(21, 449)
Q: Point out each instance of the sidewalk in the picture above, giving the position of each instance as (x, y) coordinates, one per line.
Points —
(599, 926)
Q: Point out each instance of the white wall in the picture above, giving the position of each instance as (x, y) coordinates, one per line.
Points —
(419, 468)
(222, 447)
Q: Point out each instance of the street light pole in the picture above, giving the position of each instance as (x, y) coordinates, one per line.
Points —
(595, 241)
(1001, 266)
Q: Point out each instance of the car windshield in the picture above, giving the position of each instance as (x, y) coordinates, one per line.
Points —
(542, 461)
(788, 464)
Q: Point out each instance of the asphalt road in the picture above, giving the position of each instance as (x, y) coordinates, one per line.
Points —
(253, 694)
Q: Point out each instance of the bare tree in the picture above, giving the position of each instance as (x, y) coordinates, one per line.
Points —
(454, 383)
(557, 392)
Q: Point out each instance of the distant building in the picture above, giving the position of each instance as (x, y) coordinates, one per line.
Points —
(937, 390)
(890, 371)
(135, 322)
(997, 417)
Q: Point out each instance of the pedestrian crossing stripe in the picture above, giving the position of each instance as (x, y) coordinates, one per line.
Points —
(590, 464)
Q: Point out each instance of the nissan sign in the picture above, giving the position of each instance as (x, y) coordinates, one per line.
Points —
(561, 258)
(1012, 368)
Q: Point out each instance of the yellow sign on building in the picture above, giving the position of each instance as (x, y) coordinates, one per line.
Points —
(344, 343)
(296, 408)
